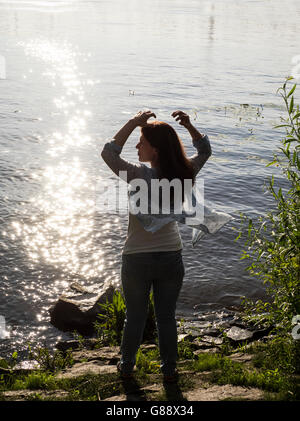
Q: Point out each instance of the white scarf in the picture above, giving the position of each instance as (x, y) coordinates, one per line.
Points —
(202, 219)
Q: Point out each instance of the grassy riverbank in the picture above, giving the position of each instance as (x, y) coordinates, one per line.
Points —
(262, 370)
(217, 367)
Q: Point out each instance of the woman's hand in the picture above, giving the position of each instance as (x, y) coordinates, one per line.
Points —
(141, 117)
(183, 118)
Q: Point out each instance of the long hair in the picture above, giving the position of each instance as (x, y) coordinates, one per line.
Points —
(172, 160)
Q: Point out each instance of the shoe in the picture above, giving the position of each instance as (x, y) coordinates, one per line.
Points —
(172, 378)
(123, 375)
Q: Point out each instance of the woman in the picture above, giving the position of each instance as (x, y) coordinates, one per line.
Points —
(153, 259)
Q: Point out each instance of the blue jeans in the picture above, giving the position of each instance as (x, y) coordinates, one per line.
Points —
(164, 271)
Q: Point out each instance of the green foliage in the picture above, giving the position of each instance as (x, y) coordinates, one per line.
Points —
(185, 350)
(41, 378)
(147, 362)
(226, 347)
(34, 381)
(90, 387)
(207, 361)
(3, 363)
(281, 353)
(274, 242)
(110, 321)
(51, 361)
(264, 376)
(235, 373)
(109, 326)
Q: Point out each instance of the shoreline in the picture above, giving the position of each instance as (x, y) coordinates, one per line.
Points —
(213, 366)
(219, 316)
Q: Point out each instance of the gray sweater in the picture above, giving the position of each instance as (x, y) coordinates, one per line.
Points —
(138, 239)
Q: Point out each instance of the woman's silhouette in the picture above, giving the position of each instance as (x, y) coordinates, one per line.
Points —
(153, 259)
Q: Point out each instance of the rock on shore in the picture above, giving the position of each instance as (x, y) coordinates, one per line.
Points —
(77, 308)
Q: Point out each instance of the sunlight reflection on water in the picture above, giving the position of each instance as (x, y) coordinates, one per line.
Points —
(73, 77)
(64, 230)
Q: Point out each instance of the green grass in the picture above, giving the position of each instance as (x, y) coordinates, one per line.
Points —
(148, 361)
(208, 362)
(273, 369)
(34, 381)
(237, 374)
(186, 350)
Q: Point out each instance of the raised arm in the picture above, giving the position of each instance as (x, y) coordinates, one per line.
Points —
(112, 149)
(200, 141)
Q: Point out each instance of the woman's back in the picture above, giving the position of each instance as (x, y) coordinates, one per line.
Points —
(139, 240)
(168, 237)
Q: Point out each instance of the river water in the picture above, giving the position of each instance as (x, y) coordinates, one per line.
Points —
(72, 73)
